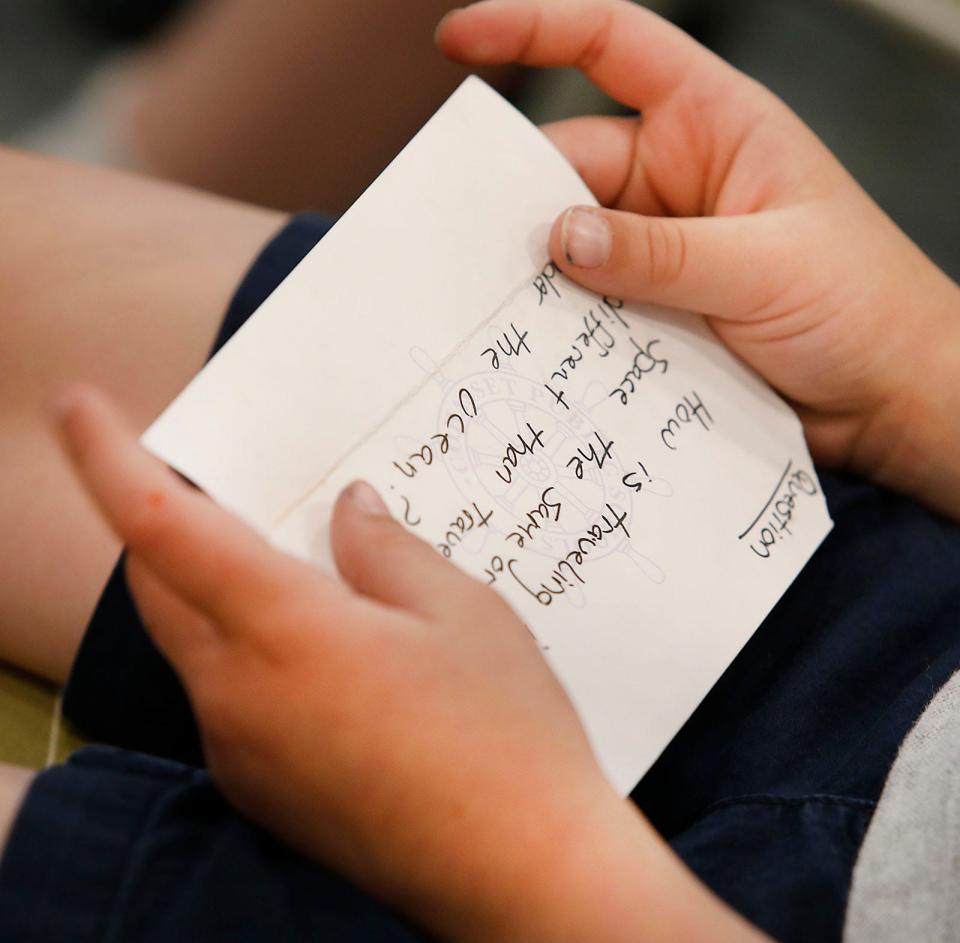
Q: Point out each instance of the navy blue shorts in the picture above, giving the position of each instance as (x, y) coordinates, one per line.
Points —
(765, 793)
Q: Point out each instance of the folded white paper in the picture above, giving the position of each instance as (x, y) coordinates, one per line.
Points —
(639, 496)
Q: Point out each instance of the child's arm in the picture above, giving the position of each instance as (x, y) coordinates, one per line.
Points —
(401, 726)
(723, 202)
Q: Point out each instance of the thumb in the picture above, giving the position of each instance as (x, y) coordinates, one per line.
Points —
(381, 559)
(728, 266)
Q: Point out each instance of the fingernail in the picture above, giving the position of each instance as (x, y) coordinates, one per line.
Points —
(366, 499)
(586, 238)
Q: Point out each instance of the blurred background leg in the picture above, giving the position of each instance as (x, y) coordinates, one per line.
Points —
(14, 783)
(292, 105)
(300, 104)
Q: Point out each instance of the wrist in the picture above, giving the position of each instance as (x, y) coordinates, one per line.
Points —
(595, 870)
(912, 443)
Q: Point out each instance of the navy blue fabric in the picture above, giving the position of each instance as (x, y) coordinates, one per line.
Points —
(116, 847)
(787, 754)
(121, 690)
(766, 792)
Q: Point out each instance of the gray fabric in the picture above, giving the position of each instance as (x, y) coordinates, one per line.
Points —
(906, 883)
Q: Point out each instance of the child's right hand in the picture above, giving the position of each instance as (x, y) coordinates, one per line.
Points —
(723, 202)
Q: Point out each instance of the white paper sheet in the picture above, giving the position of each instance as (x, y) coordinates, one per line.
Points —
(638, 495)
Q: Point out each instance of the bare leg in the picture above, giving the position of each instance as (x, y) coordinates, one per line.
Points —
(295, 104)
(109, 278)
(14, 783)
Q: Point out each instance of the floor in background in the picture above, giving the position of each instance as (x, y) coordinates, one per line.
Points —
(31, 731)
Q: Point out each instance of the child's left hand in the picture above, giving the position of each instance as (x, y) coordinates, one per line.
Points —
(401, 725)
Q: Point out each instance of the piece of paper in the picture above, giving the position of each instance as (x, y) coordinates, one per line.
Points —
(639, 496)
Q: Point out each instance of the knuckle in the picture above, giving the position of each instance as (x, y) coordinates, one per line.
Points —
(356, 566)
(386, 547)
(665, 251)
(392, 534)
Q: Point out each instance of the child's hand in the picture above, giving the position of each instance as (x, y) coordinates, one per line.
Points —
(725, 203)
(401, 725)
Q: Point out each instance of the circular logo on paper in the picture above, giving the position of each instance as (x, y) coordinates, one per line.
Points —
(555, 480)
(530, 458)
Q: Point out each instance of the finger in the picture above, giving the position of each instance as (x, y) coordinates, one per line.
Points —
(380, 559)
(604, 152)
(634, 55)
(211, 559)
(713, 265)
(181, 632)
